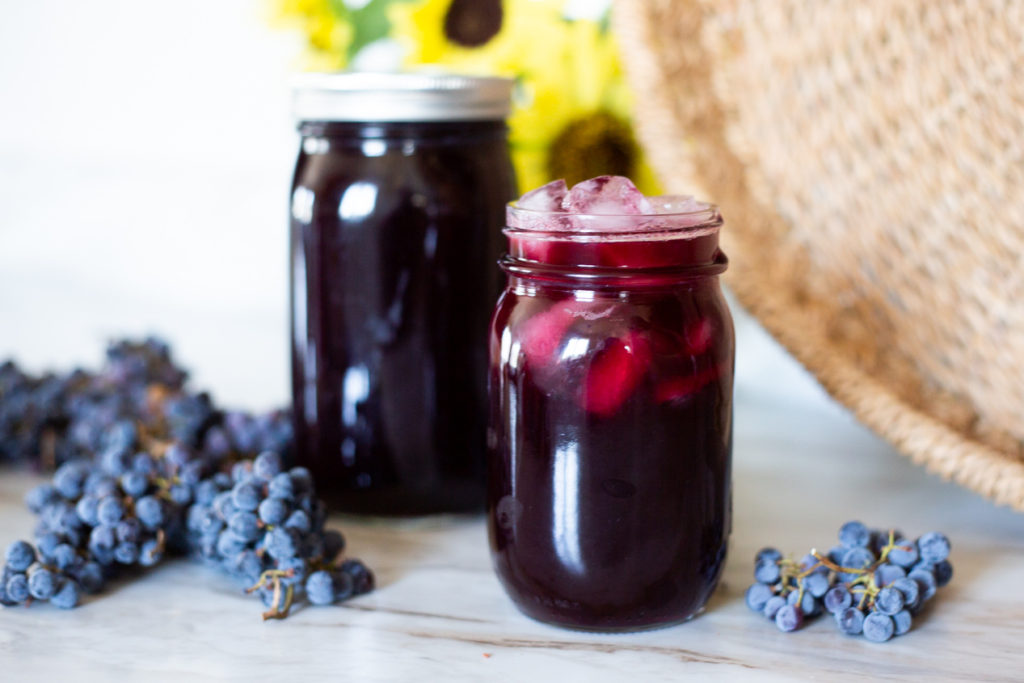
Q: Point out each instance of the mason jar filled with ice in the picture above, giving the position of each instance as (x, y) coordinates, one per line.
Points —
(612, 353)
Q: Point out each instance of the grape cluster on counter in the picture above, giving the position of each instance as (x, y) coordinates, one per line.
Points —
(146, 469)
(872, 583)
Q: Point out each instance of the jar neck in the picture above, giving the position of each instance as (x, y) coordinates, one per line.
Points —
(625, 260)
(421, 130)
(523, 271)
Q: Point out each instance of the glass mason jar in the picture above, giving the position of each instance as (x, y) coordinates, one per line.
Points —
(398, 192)
(612, 353)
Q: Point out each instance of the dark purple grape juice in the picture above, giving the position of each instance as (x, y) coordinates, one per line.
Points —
(610, 450)
(394, 238)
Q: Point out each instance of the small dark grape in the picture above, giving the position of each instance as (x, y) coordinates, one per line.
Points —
(299, 521)
(126, 553)
(281, 487)
(40, 496)
(757, 595)
(910, 589)
(150, 553)
(854, 535)
(943, 572)
(245, 496)
(334, 543)
(767, 571)
(66, 596)
(87, 510)
(20, 556)
(110, 510)
(902, 622)
(889, 601)
(128, 530)
(933, 546)
(837, 599)
(320, 588)
(273, 511)
(150, 511)
(789, 618)
(904, 553)
(926, 582)
(229, 543)
(807, 603)
(363, 580)
(878, 627)
(887, 573)
(41, 583)
(816, 584)
(134, 483)
(773, 605)
(850, 621)
(90, 577)
(64, 557)
(245, 525)
(17, 588)
(767, 554)
(281, 543)
(267, 465)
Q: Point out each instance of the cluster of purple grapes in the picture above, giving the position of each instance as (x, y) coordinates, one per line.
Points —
(55, 418)
(150, 469)
(265, 527)
(873, 582)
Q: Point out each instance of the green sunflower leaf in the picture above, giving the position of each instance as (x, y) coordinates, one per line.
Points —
(369, 23)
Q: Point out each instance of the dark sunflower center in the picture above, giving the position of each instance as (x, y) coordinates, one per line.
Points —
(597, 144)
(471, 23)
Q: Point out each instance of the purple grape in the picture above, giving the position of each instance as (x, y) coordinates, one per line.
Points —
(878, 627)
(904, 553)
(20, 556)
(66, 596)
(773, 605)
(767, 554)
(757, 595)
(767, 571)
(854, 535)
(886, 573)
(902, 622)
(889, 601)
(934, 547)
(789, 618)
(850, 621)
(17, 588)
(943, 572)
(41, 583)
(910, 589)
(837, 599)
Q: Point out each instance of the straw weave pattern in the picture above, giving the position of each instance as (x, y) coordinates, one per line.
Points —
(869, 161)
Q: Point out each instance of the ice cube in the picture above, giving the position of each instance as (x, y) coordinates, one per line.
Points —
(677, 203)
(545, 198)
(606, 195)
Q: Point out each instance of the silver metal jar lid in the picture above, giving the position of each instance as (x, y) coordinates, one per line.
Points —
(365, 96)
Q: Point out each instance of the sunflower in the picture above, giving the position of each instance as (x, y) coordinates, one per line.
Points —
(571, 112)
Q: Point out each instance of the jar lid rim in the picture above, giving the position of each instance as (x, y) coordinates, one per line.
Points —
(399, 96)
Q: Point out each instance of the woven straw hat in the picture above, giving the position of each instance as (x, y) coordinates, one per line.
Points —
(869, 160)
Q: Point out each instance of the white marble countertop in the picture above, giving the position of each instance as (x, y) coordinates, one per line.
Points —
(439, 613)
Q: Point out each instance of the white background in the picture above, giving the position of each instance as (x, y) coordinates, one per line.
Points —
(146, 151)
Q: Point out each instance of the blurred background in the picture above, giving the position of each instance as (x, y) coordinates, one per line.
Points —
(146, 152)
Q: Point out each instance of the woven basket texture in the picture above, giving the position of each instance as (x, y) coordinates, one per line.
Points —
(869, 161)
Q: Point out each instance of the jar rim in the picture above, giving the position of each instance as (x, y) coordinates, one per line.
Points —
(425, 95)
